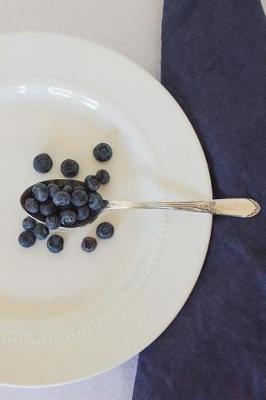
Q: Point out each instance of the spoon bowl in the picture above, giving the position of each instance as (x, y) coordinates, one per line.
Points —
(61, 183)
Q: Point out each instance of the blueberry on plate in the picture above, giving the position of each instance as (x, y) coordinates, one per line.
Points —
(41, 231)
(105, 230)
(43, 163)
(32, 205)
(27, 239)
(91, 183)
(53, 189)
(69, 168)
(40, 192)
(103, 152)
(28, 224)
(68, 218)
(82, 213)
(48, 208)
(68, 189)
(103, 176)
(96, 202)
(62, 199)
(89, 244)
(55, 243)
(79, 198)
(52, 222)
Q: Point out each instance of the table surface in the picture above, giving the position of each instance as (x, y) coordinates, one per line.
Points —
(132, 28)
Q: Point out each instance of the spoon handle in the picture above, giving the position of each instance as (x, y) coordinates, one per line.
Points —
(240, 207)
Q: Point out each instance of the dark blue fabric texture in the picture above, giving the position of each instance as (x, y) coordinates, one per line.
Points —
(214, 64)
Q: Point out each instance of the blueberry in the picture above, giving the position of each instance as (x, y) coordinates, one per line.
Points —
(102, 152)
(89, 244)
(55, 243)
(69, 168)
(79, 198)
(105, 230)
(82, 213)
(61, 199)
(80, 187)
(61, 184)
(53, 189)
(27, 239)
(48, 208)
(40, 192)
(91, 183)
(42, 163)
(96, 201)
(28, 224)
(41, 231)
(68, 218)
(52, 222)
(32, 205)
(68, 189)
(103, 176)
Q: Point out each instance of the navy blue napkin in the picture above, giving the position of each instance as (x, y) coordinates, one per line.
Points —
(214, 64)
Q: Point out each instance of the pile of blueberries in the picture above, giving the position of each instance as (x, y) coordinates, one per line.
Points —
(66, 203)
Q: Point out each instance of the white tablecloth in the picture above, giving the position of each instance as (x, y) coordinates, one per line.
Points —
(132, 27)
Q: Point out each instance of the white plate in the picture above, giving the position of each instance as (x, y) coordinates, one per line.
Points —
(73, 315)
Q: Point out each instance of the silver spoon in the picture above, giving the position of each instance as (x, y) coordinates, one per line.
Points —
(238, 207)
